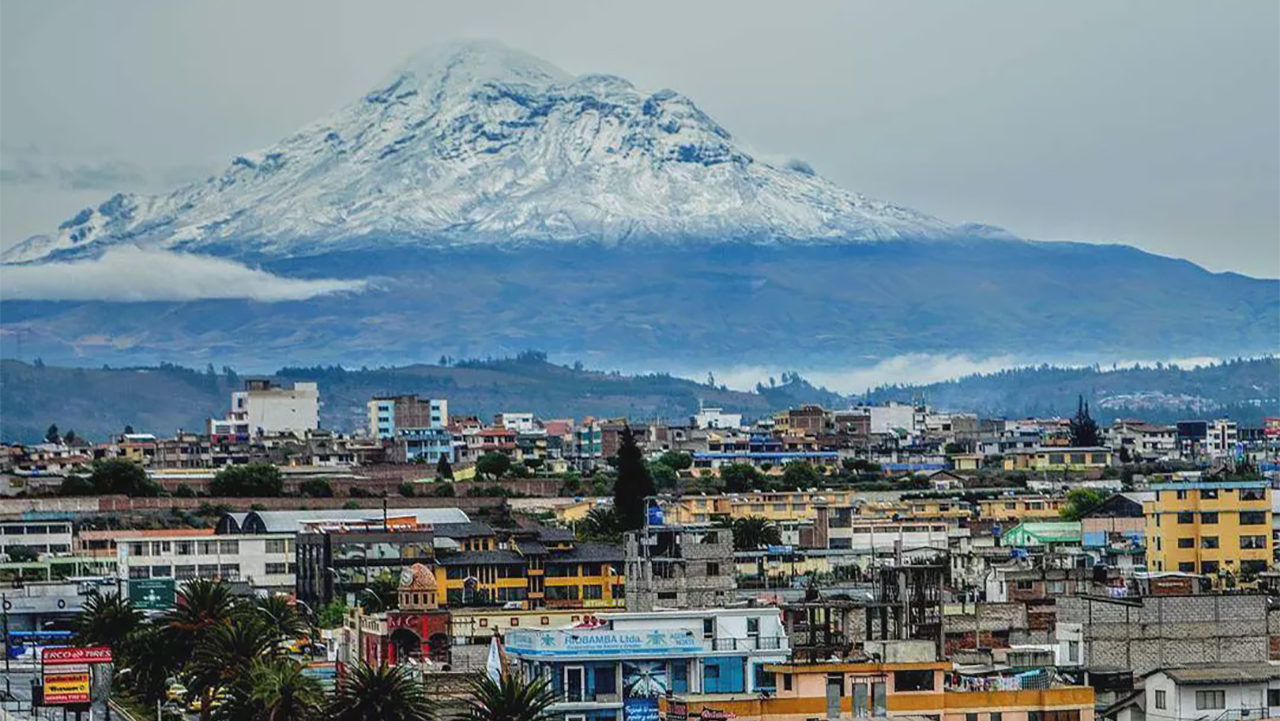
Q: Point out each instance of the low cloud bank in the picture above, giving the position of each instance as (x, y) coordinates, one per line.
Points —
(132, 274)
(912, 368)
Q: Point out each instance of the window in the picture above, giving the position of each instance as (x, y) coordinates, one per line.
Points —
(921, 680)
(1025, 585)
(184, 573)
(1253, 494)
(786, 683)
(1187, 567)
(161, 571)
(228, 547)
(230, 571)
(1162, 699)
(1207, 494)
(1253, 518)
(1182, 495)
(708, 628)
(1209, 517)
(1073, 651)
(971, 717)
(277, 545)
(184, 548)
(753, 627)
(997, 716)
(1208, 567)
(1253, 542)
(593, 592)
(1209, 542)
(277, 568)
(1186, 543)
(208, 548)
(1186, 517)
(1273, 697)
(139, 572)
(1211, 699)
(713, 568)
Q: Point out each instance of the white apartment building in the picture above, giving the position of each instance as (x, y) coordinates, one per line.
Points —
(518, 422)
(40, 536)
(894, 416)
(715, 418)
(883, 537)
(264, 561)
(270, 409)
(1221, 438)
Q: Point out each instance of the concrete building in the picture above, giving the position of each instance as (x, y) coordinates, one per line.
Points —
(266, 562)
(265, 409)
(679, 567)
(715, 418)
(1152, 632)
(628, 662)
(36, 537)
(389, 414)
(1230, 691)
(1210, 528)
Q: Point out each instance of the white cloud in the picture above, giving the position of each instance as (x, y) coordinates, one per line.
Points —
(912, 368)
(132, 274)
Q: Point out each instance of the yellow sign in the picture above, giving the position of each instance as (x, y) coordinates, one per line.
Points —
(63, 688)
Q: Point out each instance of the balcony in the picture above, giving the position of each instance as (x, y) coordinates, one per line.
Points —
(750, 643)
(580, 696)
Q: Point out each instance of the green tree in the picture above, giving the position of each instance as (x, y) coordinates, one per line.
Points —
(602, 525)
(330, 615)
(51, 435)
(184, 491)
(70, 437)
(444, 469)
(1080, 501)
(752, 533)
(381, 693)
(316, 488)
(664, 476)
(406, 489)
(493, 465)
(801, 474)
(382, 594)
(740, 477)
(201, 604)
(676, 460)
(106, 620)
(76, 485)
(272, 689)
(1084, 430)
(252, 480)
(280, 617)
(114, 476)
(225, 654)
(510, 698)
(633, 485)
(444, 490)
(22, 554)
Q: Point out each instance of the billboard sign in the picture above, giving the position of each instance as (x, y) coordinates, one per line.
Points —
(152, 594)
(60, 655)
(66, 685)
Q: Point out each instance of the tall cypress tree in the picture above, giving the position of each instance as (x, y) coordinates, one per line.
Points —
(634, 484)
(1084, 430)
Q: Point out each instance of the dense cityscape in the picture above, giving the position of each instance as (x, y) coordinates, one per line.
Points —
(885, 560)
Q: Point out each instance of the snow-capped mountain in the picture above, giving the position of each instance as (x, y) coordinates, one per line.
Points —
(480, 144)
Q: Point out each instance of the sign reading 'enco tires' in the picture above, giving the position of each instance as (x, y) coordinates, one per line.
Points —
(76, 654)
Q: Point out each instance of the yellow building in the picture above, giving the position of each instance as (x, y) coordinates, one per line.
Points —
(1058, 459)
(884, 690)
(1209, 527)
(1020, 508)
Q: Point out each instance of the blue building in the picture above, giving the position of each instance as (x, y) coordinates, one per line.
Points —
(425, 444)
(618, 670)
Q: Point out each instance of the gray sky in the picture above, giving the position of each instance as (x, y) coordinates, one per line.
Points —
(1155, 123)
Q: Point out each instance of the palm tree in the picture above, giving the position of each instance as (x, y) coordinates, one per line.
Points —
(601, 524)
(509, 699)
(381, 693)
(281, 617)
(201, 604)
(752, 532)
(272, 689)
(382, 594)
(226, 652)
(106, 620)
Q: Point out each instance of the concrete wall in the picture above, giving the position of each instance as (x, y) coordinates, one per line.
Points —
(1159, 631)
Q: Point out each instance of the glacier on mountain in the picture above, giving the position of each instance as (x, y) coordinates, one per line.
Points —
(477, 144)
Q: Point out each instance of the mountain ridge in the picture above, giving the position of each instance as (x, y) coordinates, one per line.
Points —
(477, 143)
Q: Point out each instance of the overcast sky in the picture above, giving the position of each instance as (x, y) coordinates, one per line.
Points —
(1153, 123)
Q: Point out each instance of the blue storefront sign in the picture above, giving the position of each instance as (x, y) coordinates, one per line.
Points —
(640, 709)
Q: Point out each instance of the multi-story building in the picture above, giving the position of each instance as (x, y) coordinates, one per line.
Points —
(1142, 440)
(269, 409)
(39, 537)
(1210, 527)
(264, 561)
(623, 666)
(715, 418)
(1005, 509)
(389, 414)
(1052, 458)
(337, 559)
(1203, 691)
(679, 567)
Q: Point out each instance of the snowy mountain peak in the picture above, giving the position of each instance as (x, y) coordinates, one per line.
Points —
(477, 143)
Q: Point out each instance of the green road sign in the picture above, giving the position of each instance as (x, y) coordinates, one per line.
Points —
(151, 594)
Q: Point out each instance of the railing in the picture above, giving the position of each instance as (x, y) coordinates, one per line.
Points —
(1238, 714)
(751, 643)
(588, 696)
